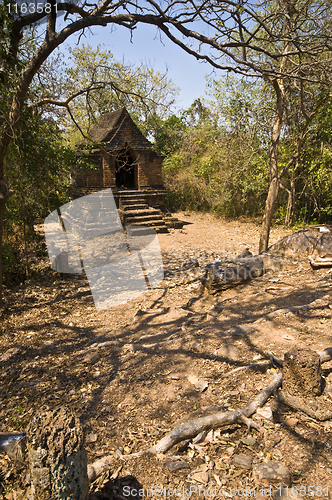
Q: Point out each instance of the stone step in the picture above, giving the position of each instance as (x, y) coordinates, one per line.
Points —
(139, 230)
(136, 212)
(141, 206)
(144, 218)
(159, 228)
(132, 199)
(142, 213)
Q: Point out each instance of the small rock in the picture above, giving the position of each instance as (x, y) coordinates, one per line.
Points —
(201, 477)
(228, 351)
(176, 465)
(91, 438)
(242, 461)
(257, 357)
(249, 441)
(9, 353)
(292, 421)
(271, 471)
(288, 337)
(194, 346)
(265, 412)
(199, 384)
(91, 358)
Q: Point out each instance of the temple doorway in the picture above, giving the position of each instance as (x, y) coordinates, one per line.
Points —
(125, 170)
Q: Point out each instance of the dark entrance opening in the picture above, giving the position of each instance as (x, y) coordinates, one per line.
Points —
(125, 170)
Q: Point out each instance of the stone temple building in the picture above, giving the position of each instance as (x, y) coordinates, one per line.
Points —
(126, 163)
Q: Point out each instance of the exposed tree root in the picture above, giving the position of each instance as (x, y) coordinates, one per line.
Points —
(188, 430)
(300, 404)
(98, 467)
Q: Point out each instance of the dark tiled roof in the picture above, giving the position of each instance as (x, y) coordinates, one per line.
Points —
(108, 129)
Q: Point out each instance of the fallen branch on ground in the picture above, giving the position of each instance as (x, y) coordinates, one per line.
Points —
(190, 429)
(298, 404)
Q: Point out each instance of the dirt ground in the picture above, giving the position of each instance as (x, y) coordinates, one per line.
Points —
(132, 371)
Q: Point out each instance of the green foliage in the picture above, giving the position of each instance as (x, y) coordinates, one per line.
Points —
(38, 172)
(218, 153)
(169, 134)
(147, 94)
(220, 161)
(39, 161)
(310, 177)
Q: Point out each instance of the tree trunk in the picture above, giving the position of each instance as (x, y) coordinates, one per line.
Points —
(51, 42)
(289, 208)
(4, 195)
(2, 210)
(268, 214)
(291, 200)
(274, 177)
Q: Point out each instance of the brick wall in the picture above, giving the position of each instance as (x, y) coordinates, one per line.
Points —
(149, 171)
(108, 170)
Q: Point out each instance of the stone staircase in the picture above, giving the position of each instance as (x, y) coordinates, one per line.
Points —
(134, 211)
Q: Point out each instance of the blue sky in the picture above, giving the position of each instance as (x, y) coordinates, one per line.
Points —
(146, 47)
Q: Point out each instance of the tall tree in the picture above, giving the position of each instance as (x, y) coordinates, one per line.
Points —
(103, 84)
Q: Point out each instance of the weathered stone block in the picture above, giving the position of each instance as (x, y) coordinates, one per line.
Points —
(302, 375)
(271, 471)
(58, 465)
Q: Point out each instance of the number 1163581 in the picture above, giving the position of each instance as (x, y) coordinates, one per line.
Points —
(31, 8)
(303, 491)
